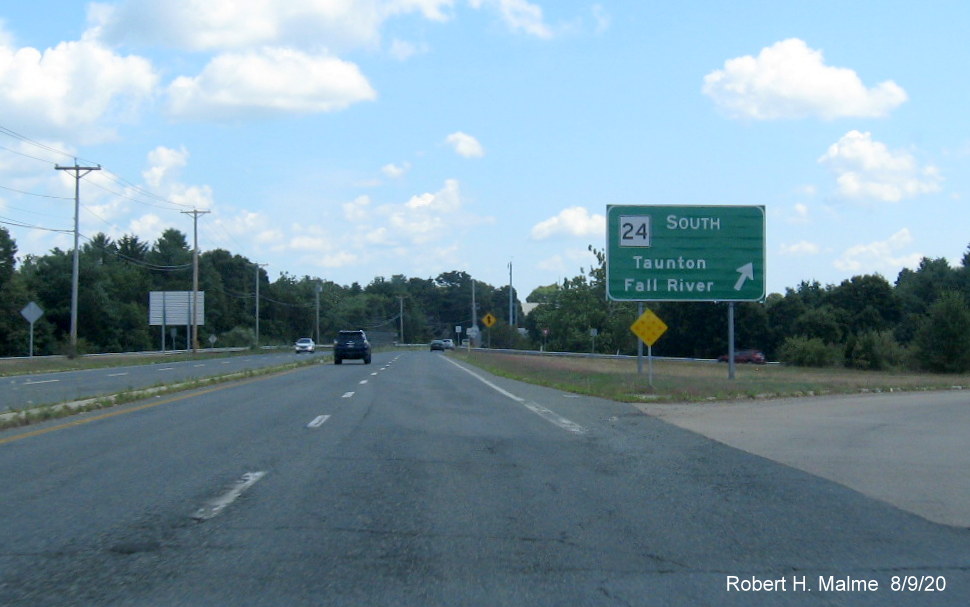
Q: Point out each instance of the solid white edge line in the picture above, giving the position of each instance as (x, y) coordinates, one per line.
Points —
(544, 413)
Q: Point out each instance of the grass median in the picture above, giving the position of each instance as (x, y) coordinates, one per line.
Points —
(694, 381)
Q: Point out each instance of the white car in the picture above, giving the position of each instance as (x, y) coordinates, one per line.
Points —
(305, 344)
(449, 344)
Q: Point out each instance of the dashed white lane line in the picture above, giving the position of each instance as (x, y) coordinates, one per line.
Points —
(213, 507)
(348, 394)
(363, 381)
(40, 381)
(544, 413)
(166, 369)
(318, 421)
(117, 374)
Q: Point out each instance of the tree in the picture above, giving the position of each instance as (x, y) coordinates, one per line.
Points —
(942, 342)
(8, 257)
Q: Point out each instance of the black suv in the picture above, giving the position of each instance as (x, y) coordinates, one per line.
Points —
(351, 344)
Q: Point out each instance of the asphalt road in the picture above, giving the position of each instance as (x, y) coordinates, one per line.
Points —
(418, 481)
(47, 388)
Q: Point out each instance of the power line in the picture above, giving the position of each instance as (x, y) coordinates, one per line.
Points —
(3, 187)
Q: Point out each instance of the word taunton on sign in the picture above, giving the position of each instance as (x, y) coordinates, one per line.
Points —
(685, 253)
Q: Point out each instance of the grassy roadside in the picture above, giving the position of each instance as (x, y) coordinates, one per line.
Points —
(32, 415)
(680, 381)
(54, 364)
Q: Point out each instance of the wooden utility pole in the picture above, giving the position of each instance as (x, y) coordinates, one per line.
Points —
(74, 274)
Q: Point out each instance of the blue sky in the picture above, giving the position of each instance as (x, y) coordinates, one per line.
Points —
(349, 139)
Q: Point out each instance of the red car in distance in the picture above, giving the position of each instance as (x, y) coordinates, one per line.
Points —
(745, 356)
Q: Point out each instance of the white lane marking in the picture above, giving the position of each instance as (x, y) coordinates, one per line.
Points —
(166, 369)
(200, 365)
(374, 373)
(225, 362)
(347, 394)
(363, 381)
(544, 413)
(318, 421)
(41, 381)
(213, 507)
(117, 374)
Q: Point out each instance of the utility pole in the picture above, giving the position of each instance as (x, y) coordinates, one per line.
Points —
(319, 288)
(258, 266)
(511, 309)
(195, 276)
(74, 275)
(401, 317)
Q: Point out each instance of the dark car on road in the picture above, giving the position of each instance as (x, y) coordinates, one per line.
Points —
(745, 356)
(351, 345)
(437, 344)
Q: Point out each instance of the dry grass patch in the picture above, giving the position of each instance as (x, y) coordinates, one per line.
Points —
(677, 381)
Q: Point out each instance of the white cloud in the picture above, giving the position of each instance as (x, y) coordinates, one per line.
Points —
(269, 80)
(568, 262)
(790, 80)
(801, 248)
(358, 210)
(601, 17)
(165, 165)
(465, 145)
(81, 88)
(574, 221)
(446, 200)
(165, 162)
(148, 227)
(800, 214)
(519, 16)
(202, 25)
(882, 256)
(868, 169)
(403, 50)
(395, 171)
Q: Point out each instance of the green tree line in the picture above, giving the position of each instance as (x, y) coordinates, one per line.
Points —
(920, 321)
(116, 277)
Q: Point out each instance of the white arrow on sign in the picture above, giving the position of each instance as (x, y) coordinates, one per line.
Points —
(747, 273)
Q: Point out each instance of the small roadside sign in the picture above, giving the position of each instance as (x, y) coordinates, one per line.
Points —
(648, 327)
(32, 312)
(488, 320)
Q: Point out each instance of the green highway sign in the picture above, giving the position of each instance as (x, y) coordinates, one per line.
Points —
(685, 253)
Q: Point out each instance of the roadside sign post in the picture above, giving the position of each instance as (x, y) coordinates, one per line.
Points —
(488, 320)
(32, 313)
(648, 328)
(689, 253)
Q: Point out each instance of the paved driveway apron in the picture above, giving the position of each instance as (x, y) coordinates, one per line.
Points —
(908, 449)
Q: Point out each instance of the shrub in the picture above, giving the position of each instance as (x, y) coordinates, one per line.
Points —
(238, 337)
(809, 352)
(873, 351)
(942, 342)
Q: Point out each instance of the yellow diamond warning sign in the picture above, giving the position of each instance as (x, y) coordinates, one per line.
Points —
(648, 327)
(489, 320)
